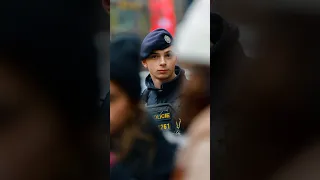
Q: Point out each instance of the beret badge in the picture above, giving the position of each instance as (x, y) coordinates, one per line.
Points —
(167, 39)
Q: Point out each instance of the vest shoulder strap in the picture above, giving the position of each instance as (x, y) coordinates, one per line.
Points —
(145, 95)
(177, 100)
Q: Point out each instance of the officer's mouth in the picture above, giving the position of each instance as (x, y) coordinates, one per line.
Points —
(162, 71)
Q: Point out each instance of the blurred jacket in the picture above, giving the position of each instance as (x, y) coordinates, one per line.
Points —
(194, 160)
(137, 164)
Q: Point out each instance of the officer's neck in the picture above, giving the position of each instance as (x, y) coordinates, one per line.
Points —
(158, 82)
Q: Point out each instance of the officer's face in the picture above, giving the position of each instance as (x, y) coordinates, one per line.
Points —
(31, 138)
(119, 107)
(161, 64)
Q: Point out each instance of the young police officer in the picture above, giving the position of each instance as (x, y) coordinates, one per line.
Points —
(164, 81)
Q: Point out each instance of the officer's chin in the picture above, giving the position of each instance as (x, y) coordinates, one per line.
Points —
(163, 76)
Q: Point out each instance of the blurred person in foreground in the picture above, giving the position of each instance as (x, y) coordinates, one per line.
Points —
(227, 58)
(49, 92)
(105, 71)
(140, 150)
(274, 108)
(163, 93)
(194, 159)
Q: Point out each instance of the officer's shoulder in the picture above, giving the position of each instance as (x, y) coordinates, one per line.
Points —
(144, 91)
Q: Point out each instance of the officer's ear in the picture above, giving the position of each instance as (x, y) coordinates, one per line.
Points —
(144, 63)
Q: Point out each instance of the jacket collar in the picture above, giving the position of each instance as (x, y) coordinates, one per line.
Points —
(180, 75)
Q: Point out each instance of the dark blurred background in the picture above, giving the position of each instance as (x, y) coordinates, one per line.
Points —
(102, 42)
(136, 15)
(271, 110)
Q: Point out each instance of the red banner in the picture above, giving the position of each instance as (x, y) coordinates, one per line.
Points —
(162, 15)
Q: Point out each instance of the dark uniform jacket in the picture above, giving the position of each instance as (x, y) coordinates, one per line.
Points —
(164, 103)
(137, 165)
(169, 91)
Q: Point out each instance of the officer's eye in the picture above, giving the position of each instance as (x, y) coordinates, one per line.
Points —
(169, 55)
(154, 56)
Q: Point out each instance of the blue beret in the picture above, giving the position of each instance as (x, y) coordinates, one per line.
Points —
(158, 39)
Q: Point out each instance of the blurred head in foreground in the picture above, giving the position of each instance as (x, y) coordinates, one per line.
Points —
(124, 80)
(193, 47)
(274, 112)
(48, 92)
(126, 114)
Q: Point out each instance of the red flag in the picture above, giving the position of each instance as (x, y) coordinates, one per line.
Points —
(162, 15)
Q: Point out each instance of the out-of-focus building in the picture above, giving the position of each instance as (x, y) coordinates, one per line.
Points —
(128, 16)
(134, 15)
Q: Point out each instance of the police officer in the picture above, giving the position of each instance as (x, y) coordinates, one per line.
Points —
(141, 151)
(164, 81)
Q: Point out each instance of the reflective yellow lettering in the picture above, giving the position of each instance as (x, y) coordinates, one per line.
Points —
(167, 115)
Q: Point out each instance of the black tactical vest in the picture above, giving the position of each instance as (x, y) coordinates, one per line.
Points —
(165, 114)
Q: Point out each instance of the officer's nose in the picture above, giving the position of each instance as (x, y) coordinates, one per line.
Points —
(162, 61)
